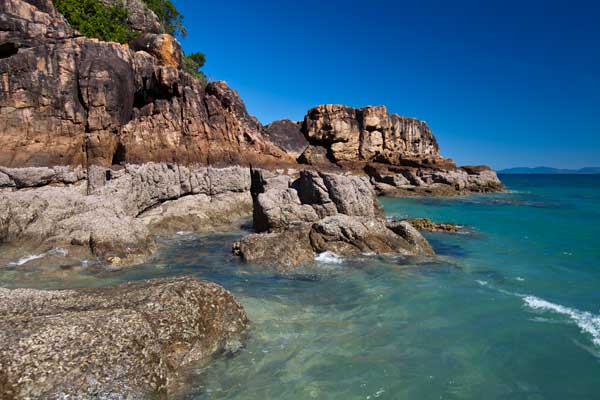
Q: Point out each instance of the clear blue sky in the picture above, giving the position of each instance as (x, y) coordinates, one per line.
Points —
(504, 83)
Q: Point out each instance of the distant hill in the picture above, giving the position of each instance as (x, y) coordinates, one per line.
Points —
(548, 170)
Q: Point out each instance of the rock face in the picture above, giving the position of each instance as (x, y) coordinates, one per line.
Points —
(105, 144)
(117, 214)
(368, 134)
(287, 135)
(69, 100)
(318, 212)
(129, 341)
(400, 154)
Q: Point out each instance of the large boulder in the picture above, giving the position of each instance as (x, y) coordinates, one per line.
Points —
(287, 135)
(346, 235)
(320, 212)
(131, 341)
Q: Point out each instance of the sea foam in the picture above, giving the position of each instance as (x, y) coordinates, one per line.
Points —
(328, 257)
(30, 257)
(586, 321)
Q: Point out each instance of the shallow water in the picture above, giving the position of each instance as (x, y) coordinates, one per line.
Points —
(509, 309)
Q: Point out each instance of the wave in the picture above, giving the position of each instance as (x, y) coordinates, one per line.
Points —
(586, 321)
(30, 257)
(328, 257)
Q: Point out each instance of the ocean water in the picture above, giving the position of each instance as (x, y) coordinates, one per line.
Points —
(508, 309)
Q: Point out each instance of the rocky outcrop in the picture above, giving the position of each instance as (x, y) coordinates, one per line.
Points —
(368, 134)
(319, 212)
(287, 135)
(427, 225)
(400, 154)
(131, 341)
(70, 100)
(116, 215)
(105, 144)
(433, 180)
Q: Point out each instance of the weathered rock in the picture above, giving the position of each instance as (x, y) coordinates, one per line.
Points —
(280, 250)
(117, 217)
(425, 224)
(317, 156)
(276, 204)
(198, 213)
(352, 195)
(409, 233)
(164, 47)
(346, 235)
(320, 212)
(287, 135)
(83, 102)
(130, 341)
(431, 179)
(280, 201)
(368, 134)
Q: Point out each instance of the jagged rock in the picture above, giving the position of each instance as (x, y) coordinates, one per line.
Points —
(40, 176)
(276, 204)
(117, 217)
(368, 134)
(282, 250)
(280, 201)
(164, 47)
(319, 212)
(131, 341)
(315, 155)
(198, 213)
(430, 179)
(425, 224)
(409, 233)
(83, 102)
(346, 235)
(287, 135)
(352, 195)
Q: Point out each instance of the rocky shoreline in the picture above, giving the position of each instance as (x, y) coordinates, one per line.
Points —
(105, 145)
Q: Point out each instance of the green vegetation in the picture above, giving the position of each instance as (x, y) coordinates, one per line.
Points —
(192, 64)
(109, 23)
(168, 16)
(94, 19)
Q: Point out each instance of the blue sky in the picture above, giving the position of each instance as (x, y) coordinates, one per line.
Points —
(502, 83)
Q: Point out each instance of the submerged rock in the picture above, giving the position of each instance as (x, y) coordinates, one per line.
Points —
(129, 341)
(425, 224)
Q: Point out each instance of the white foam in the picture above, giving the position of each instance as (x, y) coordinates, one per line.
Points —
(586, 321)
(520, 279)
(26, 259)
(328, 257)
(482, 283)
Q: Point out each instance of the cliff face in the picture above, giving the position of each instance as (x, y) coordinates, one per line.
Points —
(70, 100)
(368, 134)
(104, 145)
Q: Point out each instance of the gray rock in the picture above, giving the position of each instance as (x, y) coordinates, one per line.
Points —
(280, 250)
(346, 235)
(131, 341)
(409, 233)
(353, 195)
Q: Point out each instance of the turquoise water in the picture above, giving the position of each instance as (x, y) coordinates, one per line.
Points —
(509, 309)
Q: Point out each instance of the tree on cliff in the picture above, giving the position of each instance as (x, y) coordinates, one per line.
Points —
(170, 18)
(94, 19)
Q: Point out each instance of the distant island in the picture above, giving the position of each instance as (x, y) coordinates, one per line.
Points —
(549, 170)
